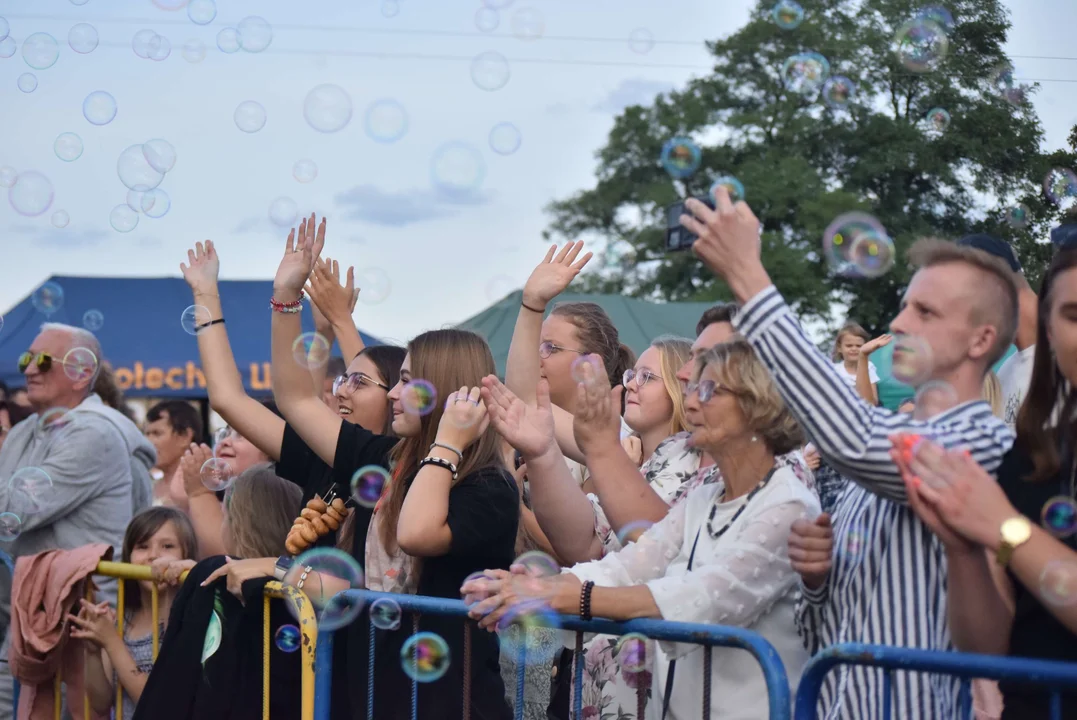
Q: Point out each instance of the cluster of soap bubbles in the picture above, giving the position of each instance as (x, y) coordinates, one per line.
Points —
(311, 350)
(253, 34)
(856, 245)
(419, 397)
(150, 46)
(368, 484)
(141, 169)
(334, 568)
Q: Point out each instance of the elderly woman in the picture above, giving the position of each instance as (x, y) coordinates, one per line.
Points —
(719, 557)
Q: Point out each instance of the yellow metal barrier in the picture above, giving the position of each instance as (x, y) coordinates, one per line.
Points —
(308, 632)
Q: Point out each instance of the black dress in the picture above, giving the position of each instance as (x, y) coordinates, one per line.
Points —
(1035, 632)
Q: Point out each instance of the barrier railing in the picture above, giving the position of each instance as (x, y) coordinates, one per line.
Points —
(707, 636)
(273, 590)
(968, 666)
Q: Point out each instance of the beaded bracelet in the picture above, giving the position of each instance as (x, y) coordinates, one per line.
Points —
(440, 462)
(303, 578)
(289, 307)
(585, 600)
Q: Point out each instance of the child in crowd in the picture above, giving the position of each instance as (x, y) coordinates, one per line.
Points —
(163, 538)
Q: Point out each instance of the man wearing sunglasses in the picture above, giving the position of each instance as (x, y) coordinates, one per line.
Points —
(90, 453)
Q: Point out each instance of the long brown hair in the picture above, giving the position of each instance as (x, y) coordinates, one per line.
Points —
(143, 527)
(261, 508)
(448, 359)
(1048, 388)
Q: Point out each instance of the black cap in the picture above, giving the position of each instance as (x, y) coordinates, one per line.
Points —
(1064, 235)
(993, 246)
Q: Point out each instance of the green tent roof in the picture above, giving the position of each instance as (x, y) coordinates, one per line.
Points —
(637, 321)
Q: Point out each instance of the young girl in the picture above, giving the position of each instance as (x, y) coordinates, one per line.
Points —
(163, 538)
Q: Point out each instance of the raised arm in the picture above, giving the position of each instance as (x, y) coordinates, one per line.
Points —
(335, 303)
(224, 385)
(866, 385)
(204, 508)
(297, 398)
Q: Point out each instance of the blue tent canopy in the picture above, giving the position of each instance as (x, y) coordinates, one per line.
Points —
(142, 338)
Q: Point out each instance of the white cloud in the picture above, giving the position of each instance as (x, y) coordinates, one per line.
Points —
(631, 91)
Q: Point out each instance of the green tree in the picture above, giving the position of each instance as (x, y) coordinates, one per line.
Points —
(803, 163)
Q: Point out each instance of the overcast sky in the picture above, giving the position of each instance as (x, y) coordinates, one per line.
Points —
(446, 256)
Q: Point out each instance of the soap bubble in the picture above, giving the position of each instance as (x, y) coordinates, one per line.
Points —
(83, 38)
(99, 107)
(487, 19)
(490, 71)
(529, 627)
(93, 320)
(1060, 186)
(921, 45)
(135, 170)
(838, 91)
(505, 138)
(390, 8)
(457, 169)
(528, 24)
(681, 157)
(937, 121)
(35, 484)
(631, 653)
(538, 564)
(912, 361)
(160, 155)
(283, 212)
(386, 121)
(228, 40)
(628, 531)
(80, 364)
(202, 12)
(60, 219)
(586, 369)
(27, 82)
(733, 186)
(255, 34)
(145, 42)
(40, 51)
(934, 398)
(8, 176)
(385, 614)
(7, 47)
(374, 285)
(327, 108)
(940, 16)
(48, 298)
(10, 527)
(1018, 216)
(805, 73)
(250, 116)
(1059, 516)
(193, 318)
(333, 612)
(872, 255)
(216, 474)
(68, 146)
(161, 49)
(134, 200)
(287, 637)
(304, 171)
(641, 41)
(848, 258)
(425, 657)
(1058, 582)
(5, 28)
(194, 51)
(311, 350)
(368, 483)
(419, 397)
(31, 195)
(155, 203)
(123, 218)
(787, 14)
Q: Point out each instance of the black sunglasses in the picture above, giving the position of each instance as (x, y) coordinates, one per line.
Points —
(43, 361)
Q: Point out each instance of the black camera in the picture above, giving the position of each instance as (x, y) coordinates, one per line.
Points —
(679, 237)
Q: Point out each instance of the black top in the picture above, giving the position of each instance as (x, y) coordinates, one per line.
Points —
(1035, 632)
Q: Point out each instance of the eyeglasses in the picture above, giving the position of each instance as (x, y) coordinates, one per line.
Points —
(642, 377)
(547, 349)
(43, 361)
(706, 389)
(352, 381)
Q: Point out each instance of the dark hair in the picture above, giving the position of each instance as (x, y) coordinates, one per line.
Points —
(110, 393)
(387, 359)
(4, 389)
(849, 328)
(15, 413)
(181, 417)
(144, 526)
(720, 313)
(1048, 388)
(598, 336)
(336, 367)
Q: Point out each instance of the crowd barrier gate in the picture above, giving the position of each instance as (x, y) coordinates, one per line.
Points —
(273, 590)
(1054, 675)
(708, 636)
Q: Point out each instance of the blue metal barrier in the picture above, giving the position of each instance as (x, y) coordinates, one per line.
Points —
(778, 694)
(1054, 675)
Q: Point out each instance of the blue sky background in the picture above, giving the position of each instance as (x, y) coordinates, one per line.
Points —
(446, 259)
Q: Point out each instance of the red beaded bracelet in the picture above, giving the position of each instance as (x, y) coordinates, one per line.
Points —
(290, 307)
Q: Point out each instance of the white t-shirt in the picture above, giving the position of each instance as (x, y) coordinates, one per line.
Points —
(850, 377)
(1015, 376)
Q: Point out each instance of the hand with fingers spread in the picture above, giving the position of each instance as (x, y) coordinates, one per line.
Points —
(528, 428)
(872, 345)
(811, 550)
(330, 298)
(465, 418)
(596, 424)
(556, 271)
(95, 623)
(304, 246)
(191, 466)
(729, 242)
(203, 268)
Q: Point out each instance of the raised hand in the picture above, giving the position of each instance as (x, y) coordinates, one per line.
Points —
(729, 242)
(527, 428)
(464, 419)
(554, 274)
(597, 420)
(872, 345)
(335, 302)
(303, 247)
(191, 466)
(811, 550)
(204, 266)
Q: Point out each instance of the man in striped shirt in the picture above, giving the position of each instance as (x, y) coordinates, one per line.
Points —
(888, 581)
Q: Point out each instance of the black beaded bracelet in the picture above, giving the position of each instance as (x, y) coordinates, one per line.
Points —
(585, 600)
(440, 462)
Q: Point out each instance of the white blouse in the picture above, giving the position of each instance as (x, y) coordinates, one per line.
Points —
(743, 578)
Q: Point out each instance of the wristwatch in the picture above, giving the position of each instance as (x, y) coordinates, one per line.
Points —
(1014, 532)
(284, 564)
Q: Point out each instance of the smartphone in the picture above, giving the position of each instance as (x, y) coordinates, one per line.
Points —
(678, 237)
(517, 460)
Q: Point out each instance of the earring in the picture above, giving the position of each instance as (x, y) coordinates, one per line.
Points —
(754, 438)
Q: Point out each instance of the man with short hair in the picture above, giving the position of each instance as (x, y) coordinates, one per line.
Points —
(715, 326)
(887, 584)
(171, 425)
(86, 449)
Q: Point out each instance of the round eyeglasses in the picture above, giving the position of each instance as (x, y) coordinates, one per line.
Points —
(547, 348)
(642, 377)
(351, 382)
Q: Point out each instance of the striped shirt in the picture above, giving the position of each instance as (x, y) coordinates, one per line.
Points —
(887, 584)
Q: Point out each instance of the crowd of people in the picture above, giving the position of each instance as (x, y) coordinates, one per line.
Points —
(741, 478)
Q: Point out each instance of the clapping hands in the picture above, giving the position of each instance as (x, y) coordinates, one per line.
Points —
(304, 246)
(528, 428)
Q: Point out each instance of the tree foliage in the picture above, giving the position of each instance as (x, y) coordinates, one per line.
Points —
(802, 163)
